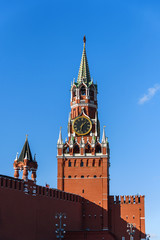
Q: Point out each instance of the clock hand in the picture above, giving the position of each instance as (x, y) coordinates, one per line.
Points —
(82, 125)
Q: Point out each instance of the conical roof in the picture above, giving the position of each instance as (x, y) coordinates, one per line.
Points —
(84, 73)
(25, 152)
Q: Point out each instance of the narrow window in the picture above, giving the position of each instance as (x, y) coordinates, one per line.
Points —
(74, 92)
(83, 191)
(83, 91)
(91, 93)
(69, 163)
(74, 163)
(87, 163)
(93, 163)
(81, 164)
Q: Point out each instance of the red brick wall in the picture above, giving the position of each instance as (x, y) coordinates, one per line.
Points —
(123, 210)
(31, 216)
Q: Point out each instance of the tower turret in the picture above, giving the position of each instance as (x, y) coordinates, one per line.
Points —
(25, 162)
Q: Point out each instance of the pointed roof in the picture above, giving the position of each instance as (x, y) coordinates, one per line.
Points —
(25, 152)
(84, 73)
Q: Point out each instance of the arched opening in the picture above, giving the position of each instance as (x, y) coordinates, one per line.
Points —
(69, 163)
(74, 92)
(83, 91)
(87, 148)
(76, 149)
(91, 93)
(82, 176)
(98, 148)
(66, 149)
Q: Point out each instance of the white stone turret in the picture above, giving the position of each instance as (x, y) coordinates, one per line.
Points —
(60, 141)
(104, 139)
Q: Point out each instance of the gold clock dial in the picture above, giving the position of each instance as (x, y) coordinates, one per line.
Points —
(82, 125)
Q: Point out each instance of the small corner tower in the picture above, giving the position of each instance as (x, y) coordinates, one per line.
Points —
(25, 162)
(83, 160)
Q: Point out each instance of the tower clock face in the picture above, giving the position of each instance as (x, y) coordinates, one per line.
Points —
(82, 125)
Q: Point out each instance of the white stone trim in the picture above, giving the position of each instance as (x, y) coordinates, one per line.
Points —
(81, 156)
(83, 105)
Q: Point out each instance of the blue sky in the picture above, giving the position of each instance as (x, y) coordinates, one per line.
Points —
(40, 51)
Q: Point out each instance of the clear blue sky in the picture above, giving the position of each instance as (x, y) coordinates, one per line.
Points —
(40, 51)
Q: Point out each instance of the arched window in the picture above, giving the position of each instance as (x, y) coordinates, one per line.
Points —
(81, 164)
(82, 176)
(98, 148)
(74, 92)
(95, 176)
(69, 176)
(91, 93)
(83, 91)
(66, 149)
(69, 163)
(99, 163)
(76, 149)
(87, 148)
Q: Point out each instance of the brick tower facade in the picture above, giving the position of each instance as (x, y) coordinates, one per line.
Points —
(83, 161)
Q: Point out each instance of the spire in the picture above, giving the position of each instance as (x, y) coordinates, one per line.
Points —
(84, 73)
(26, 152)
(60, 141)
(104, 136)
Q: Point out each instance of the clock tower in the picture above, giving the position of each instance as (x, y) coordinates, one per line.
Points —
(83, 160)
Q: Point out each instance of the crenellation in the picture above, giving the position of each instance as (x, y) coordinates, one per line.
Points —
(136, 199)
(127, 200)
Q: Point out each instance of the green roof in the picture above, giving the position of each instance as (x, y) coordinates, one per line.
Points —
(84, 74)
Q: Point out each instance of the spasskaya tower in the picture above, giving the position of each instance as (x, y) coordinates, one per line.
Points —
(83, 160)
